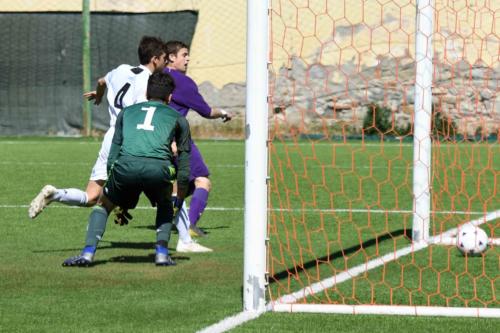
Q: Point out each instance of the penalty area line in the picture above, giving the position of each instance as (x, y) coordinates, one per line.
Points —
(287, 210)
(231, 322)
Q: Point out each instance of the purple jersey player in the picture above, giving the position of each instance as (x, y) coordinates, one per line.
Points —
(187, 97)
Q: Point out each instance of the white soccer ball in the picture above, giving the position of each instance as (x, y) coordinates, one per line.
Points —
(471, 240)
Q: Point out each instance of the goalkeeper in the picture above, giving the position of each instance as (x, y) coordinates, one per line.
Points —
(141, 160)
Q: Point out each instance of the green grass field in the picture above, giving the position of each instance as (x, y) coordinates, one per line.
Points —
(339, 205)
(125, 292)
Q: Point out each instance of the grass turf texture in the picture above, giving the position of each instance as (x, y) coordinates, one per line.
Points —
(124, 291)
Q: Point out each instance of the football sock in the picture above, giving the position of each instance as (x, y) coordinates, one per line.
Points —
(182, 224)
(198, 204)
(97, 226)
(163, 233)
(89, 249)
(71, 197)
(161, 247)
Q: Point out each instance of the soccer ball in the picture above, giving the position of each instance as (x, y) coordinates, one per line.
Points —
(471, 240)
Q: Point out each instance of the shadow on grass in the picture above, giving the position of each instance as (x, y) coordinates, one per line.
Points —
(150, 258)
(215, 228)
(150, 227)
(295, 270)
(174, 229)
(111, 245)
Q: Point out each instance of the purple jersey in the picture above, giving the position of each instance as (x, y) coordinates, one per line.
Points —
(186, 95)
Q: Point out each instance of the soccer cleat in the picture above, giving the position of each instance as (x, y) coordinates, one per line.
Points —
(162, 259)
(82, 260)
(194, 231)
(192, 246)
(41, 201)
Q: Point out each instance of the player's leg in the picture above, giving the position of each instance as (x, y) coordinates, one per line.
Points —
(73, 196)
(164, 215)
(185, 243)
(181, 221)
(156, 178)
(94, 191)
(198, 204)
(95, 230)
(202, 186)
(49, 194)
(158, 189)
(119, 191)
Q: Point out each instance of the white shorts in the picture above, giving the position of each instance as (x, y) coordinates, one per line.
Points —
(99, 171)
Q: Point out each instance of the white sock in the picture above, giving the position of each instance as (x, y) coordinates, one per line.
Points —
(71, 197)
(182, 222)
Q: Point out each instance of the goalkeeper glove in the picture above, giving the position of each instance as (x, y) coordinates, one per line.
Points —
(122, 216)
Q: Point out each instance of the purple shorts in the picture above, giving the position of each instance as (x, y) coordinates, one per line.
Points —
(198, 166)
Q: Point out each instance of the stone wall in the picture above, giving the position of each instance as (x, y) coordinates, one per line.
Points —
(311, 99)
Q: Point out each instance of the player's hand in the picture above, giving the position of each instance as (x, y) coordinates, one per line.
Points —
(226, 116)
(173, 146)
(122, 216)
(93, 96)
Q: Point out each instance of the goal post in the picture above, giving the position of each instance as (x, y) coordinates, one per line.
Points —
(256, 131)
(422, 123)
(382, 141)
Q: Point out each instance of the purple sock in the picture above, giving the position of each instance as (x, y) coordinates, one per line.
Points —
(198, 204)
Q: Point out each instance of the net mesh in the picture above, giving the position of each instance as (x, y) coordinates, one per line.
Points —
(342, 78)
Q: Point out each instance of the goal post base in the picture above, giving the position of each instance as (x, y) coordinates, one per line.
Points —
(387, 310)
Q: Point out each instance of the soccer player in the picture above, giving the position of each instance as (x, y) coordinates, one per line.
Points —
(185, 97)
(126, 85)
(141, 160)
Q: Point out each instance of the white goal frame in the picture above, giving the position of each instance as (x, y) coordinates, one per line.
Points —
(256, 177)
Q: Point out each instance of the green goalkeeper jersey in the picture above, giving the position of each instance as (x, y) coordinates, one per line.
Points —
(147, 130)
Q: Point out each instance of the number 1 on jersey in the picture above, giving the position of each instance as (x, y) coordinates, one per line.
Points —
(149, 118)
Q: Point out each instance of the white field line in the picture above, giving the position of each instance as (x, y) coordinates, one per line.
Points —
(363, 268)
(216, 166)
(231, 322)
(308, 210)
(90, 163)
(494, 241)
(74, 141)
(44, 163)
(226, 143)
(26, 143)
(450, 241)
(299, 167)
(447, 238)
(276, 144)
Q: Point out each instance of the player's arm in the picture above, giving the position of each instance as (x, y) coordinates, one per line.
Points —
(116, 143)
(189, 96)
(97, 94)
(183, 140)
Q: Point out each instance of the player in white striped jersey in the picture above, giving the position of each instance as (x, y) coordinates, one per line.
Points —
(126, 85)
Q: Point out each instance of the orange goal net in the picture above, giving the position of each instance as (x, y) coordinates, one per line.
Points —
(345, 142)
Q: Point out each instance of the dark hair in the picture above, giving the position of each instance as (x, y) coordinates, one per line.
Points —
(150, 47)
(173, 47)
(160, 86)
